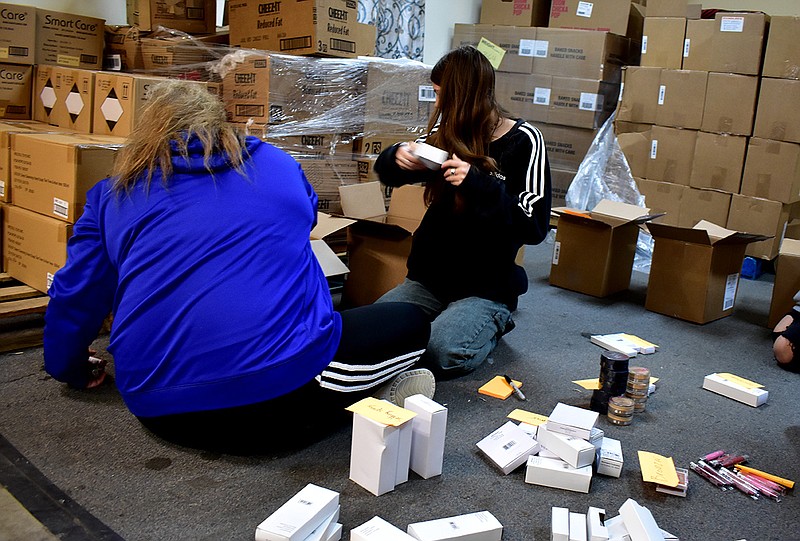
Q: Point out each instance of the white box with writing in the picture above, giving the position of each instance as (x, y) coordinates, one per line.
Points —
(596, 529)
(575, 451)
(376, 452)
(559, 524)
(640, 522)
(377, 529)
(480, 526)
(300, 516)
(572, 421)
(508, 447)
(752, 396)
(609, 458)
(555, 473)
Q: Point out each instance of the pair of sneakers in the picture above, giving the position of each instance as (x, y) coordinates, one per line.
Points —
(408, 383)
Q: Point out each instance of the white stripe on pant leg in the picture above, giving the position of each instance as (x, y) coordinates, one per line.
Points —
(368, 377)
(372, 367)
(384, 377)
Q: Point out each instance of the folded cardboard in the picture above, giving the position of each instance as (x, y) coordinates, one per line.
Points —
(555, 473)
(663, 42)
(480, 526)
(508, 447)
(734, 388)
(782, 57)
(34, 246)
(379, 454)
(640, 522)
(595, 527)
(190, 16)
(17, 34)
(377, 529)
(694, 274)
(772, 170)
(722, 90)
(514, 13)
(662, 198)
(577, 526)
(559, 524)
(671, 154)
(681, 98)
(778, 110)
(697, 46)
(609, 457)
(699, 204)
(737, 45)
(572, 421)
(593, 251)
(69, 39)
(639, 99)
(300, 516)
(576, 452)
(787, 281)
(763, 217)
(380, 239)
(428, 431)
(518, 42)
(718, 161)
(16, 85)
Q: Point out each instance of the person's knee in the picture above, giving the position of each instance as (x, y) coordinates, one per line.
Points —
(449, 360)
(783, 351)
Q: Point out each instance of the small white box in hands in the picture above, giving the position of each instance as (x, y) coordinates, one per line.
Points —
(574, 451)
(432, 157)
(508, 447)
(296, 519)
(427, 435)
(377, 529)
(572, 421)
(555, 473)
(481, 526)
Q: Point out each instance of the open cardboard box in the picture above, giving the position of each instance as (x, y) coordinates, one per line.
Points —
(379, 240)
(787, 281)
(328, 260)
(694, 274)
(594, 251)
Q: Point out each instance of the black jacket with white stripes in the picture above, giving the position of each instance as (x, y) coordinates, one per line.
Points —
(470, 251)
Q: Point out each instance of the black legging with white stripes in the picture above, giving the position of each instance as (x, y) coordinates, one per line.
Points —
(378, 342)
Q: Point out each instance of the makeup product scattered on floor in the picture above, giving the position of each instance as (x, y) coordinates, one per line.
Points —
(620, 410)
(638, 386)
(613, 380)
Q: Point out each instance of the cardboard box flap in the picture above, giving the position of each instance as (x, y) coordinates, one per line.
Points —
(720, 235)
(703, 232)
(363, 201)
(329, 261)
(619, 211)
(790, 247)
(407, 207)
(327, 224)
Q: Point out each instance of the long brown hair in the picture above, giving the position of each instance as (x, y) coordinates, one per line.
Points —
(467, 111)
(176, 111)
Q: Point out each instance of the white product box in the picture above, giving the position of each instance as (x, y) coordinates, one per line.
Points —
(300, 516)
(335, 532)
(617, 530)
(669, 537)
(595, 519)
(481, 526)
(640, 522)
(730, 388)
(377, 529)
(432, 157)
(508, 447)
(555, 473)
(609, 458)
(559, 525)
(547, 453)
(530, 430)
(572, 421)
(379, 454)
(323, 531)
(596, 437)
(574, 451)
(577, 527)
(428, 432)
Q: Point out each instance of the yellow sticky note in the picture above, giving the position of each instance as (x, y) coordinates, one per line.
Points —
(658, 469)
(592, 384)
(381, 411)
(498, 387)
(746, 383)
(528, 417)
(493, 52)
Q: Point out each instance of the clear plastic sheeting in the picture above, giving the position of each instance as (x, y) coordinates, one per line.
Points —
(605, 174)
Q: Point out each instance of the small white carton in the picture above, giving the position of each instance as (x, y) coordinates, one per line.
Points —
(736, 388)
(574, 451)
(640, 522)
(432, 157)
(428, 433)
(300, 516)
(555, 473)
(327, 526)
(480, 526)
(572, 421)
(609, 458)
(577, 526)
(595, 519)
(530, 430)
(334, 532)
(596, 437)
(377, 529)
(547, 453)
(375, 453)
(559, 524)
(508, 447)
(617, 530)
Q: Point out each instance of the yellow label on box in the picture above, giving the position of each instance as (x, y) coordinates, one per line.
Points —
(658, 469)
(527, 417)
(493, 52)
(3, 52)
(67, 60)
(382, 411)
(746, 383)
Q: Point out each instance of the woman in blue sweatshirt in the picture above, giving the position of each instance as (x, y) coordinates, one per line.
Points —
(224, 329)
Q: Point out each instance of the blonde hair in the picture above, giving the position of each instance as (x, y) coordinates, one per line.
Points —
(176, 111)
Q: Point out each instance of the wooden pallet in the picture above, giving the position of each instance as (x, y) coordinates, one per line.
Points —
(21, 315)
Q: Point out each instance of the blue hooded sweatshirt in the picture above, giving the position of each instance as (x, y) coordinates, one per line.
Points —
(217, 298)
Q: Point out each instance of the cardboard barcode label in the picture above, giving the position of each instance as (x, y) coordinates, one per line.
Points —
(49, 279)
(654, 149)
(426, 93)
(556, 252)
(731, 24)
(114, 62)
(662, 92)
(541, 48)
(509, 445)
(60, 207)
(584, 9)
(2, 188)
(527, 47)
(644, 44)
(541, 96)
(686, 45)
(589, 102)
(730, 290)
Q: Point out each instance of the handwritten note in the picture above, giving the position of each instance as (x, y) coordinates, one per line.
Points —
(658, 469)
(527, 417)
(381, 411)
(493, 52)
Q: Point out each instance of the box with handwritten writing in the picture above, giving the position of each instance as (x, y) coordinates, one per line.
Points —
(745, 391)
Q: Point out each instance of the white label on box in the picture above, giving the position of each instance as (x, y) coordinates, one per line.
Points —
(654, 149)
(426, 93)
(541, 96)
(2, 188)
(50, 276)
(556, 252)
(527, 47)
(621, 90)
(644, 44)
(731, 24)
(590, 102)
(662, 92)
(687, 43)
(60, 207)
(542, 46)
(584, 9)
(730, 290)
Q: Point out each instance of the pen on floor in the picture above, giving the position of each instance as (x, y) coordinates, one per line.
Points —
(514, 387)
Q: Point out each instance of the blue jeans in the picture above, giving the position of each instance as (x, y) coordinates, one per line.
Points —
(463, 333)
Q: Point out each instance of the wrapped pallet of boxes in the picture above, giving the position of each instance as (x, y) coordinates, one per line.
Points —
(190, 16)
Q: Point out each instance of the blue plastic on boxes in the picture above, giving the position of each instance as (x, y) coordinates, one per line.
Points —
(752, 268)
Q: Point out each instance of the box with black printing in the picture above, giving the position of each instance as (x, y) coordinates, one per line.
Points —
(68, 39)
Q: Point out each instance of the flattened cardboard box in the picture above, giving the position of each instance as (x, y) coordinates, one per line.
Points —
(17, 34)
(67, 39)
(787, 281)
(782, 58)
(694, 274)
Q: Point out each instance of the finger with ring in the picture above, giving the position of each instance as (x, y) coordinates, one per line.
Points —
(452, 171)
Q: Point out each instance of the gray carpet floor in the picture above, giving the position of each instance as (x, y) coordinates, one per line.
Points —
(86, 454)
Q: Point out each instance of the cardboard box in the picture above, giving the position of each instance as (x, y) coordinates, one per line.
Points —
(667, 8)
(245, 89)
(639, 99)
(609, 457)
(508, 447)
(559, 524)
(787, 281)
(778, 110)
(593, 252)
(572, 421)
(737, 45)
(699, 204)
(480, 526)
(524, 95)
(636, 148)
(663, 41)
(300, 516)
(123, 49)
(16, 85)
(730, 104)
(67, 39)
(582, 103)
(555, 473)
(681, 98)
(299, 27)
(518, 42)
(327, 174)
(718, 162)
(575, 451)
(17, 34)
(59, 191)
(763, 217)
(428, 430)
(782, 58)
(118, 101)
(616, 16)
(400, 98)
(515, 13)
(379, 454)
(377, 529)
(576, 53)
(566, 145)
(380, 240)
(694, 273)
(45, 106)
(697, 46)
(560, 181)
(190, 16)
(640, 522)
(662, 198)
(74, 90)
(177, 57)
(746, 394)
(34, 246)
(577, 526)
(671, 154)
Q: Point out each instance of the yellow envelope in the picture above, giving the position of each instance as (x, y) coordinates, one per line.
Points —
(658, 469)
(381, 411)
